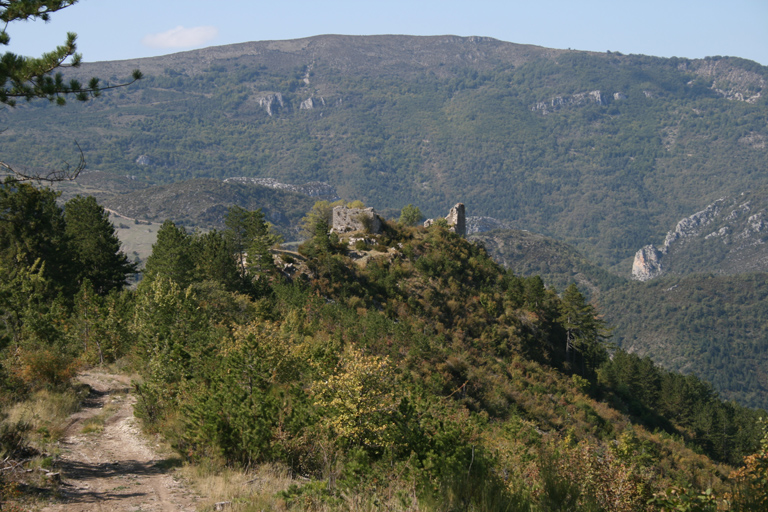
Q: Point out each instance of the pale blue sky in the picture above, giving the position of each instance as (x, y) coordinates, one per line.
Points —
(123, 29)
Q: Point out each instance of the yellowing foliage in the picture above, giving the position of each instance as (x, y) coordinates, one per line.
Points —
(358, 398)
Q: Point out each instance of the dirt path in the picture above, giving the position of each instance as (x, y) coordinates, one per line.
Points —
(114, 469)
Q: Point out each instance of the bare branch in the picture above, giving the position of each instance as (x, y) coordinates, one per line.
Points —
(66, 173)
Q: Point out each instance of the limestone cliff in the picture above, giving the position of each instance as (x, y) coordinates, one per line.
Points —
(318, 189)
(729, 236)
(647, 264)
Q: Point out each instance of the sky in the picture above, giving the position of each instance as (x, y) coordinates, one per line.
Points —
(126, 29)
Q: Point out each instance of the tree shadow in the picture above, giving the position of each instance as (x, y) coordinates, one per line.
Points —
(123, 472)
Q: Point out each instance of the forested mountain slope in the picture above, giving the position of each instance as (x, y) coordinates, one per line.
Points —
(727, 237)
(604, 151)
(711, 326)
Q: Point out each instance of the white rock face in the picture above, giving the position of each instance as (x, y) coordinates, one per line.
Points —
(312, 189)
(578, 99)
(728, 236)
(269, 100)
(484, 224)
(693, 225)
(647, 264)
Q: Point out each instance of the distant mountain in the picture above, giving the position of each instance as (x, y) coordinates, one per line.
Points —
(604, 151)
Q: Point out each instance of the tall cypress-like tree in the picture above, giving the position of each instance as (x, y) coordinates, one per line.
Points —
(95, 247)
(583, 331)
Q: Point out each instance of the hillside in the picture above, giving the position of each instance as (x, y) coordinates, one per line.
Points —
(204, 203)
(711, 326)
(558, 264)
(402, 369)
(604, 151)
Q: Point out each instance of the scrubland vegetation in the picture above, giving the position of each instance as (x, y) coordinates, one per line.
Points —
(410, 372)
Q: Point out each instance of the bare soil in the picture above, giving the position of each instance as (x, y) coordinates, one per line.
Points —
(117, 468)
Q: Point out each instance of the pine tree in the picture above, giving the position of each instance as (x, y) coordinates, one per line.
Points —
(215, 260)
(29, 78)
(584, 331)
(32, 233)
(171, 256)
(250, 237)
(95, 246)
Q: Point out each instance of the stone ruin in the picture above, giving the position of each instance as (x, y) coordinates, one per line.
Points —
(345, 220)
(456, 219)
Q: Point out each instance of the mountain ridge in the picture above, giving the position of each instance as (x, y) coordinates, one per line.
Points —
(393, 120)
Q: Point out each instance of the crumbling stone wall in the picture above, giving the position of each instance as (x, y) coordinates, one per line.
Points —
(456, 219)
(346, 219)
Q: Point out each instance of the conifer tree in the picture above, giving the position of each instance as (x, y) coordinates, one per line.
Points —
(171, 256)
(583, 331)
(95, 246)
(32, 232)
(215, 261)
(250, 237)
(36, 77)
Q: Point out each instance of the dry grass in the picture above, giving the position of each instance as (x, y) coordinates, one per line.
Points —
(46, 413)
(93, 425)
(136, 239)
(247, 491)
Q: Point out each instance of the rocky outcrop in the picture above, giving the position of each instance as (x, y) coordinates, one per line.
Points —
(730, 80)
(693, 225)
(346, 220)
(728, 236)
(484, 224)
(648, 260)
(647, 264)
(456, 220)
(271, 102)
(574, 100)
(318, 189)
(313, 103)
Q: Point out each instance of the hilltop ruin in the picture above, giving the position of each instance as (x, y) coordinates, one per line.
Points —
(456, 219)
